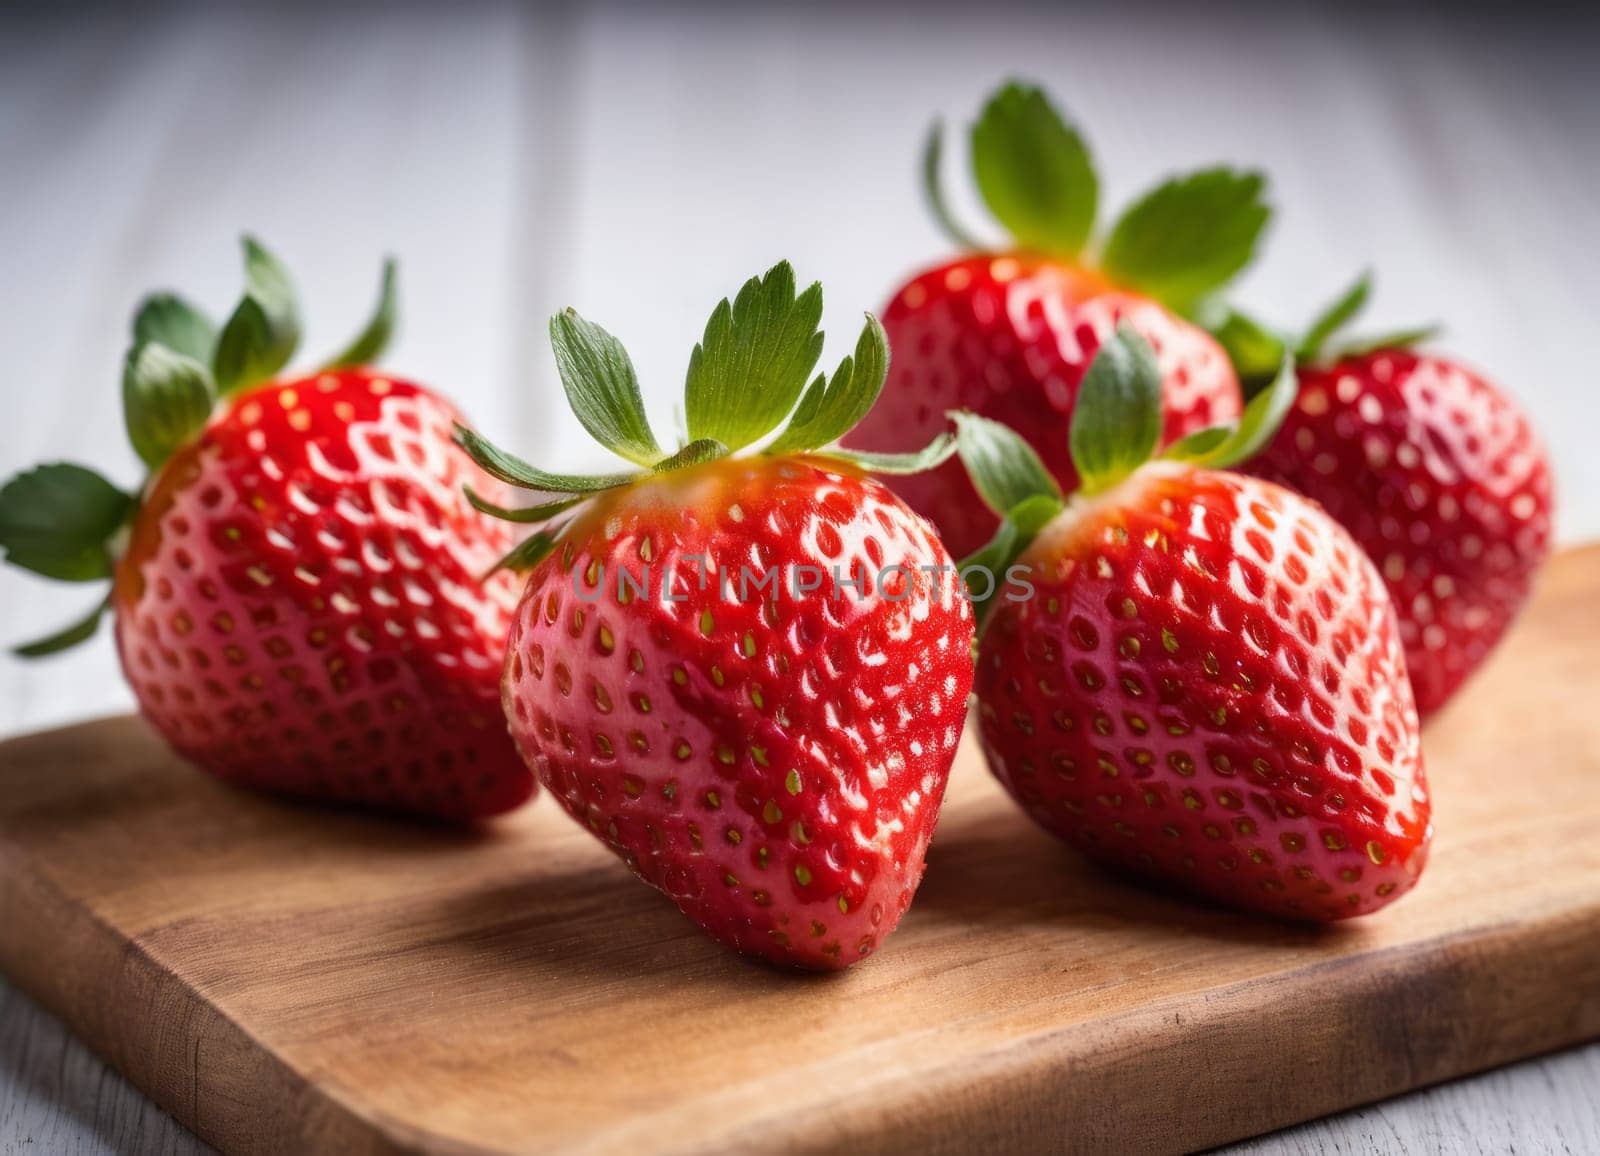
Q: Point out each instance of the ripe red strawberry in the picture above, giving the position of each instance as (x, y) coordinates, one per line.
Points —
(771, 757)
(296, 588)
(1202, 682)
(1009, 334)
(1439, 476)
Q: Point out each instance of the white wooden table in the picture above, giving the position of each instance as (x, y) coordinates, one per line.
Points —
(639, 163)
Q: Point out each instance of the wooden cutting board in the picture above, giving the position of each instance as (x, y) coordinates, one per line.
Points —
(283, 979)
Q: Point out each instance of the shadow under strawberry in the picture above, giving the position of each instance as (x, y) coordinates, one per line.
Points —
(581, 925)
(989, 873)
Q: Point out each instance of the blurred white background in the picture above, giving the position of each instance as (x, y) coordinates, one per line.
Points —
(638, 162)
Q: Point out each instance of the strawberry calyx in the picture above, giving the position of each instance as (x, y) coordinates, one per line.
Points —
(1179, 243)
(1312, 347)
(746, 379)
(66, 521)
(1256, 349)
(1115, 431)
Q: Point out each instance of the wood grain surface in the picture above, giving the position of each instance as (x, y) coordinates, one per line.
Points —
(279, 977)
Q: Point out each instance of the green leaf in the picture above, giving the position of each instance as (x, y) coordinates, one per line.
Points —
(831, 409)
(1012, 537)
(370, 343)
(995, 557)
(1003, 467)
(1116, 419)
(602, 388)
(1255, 350)
(1033, 514)
(754, 360)
(940, 450)
(1034, 171)
(694, 454)
(513, 470)
(1262, 417)
(523, 515)
(167, 398)
(1221, 447)
(1396, 339)
(167, 319)
(80, 631)
(999, 551)
(57, 520)
(530, 552)
(1196, 447)
(1334, 318)
(1189, 236)
(933, 189)
(261, 336)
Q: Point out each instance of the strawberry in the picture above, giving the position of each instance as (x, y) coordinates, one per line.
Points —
(742, 674)
(1008, 334)
(1194, 675)
(295, 588)
(1439, 476)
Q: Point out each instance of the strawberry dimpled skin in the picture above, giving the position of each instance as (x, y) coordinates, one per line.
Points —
(1010, 337)
(743, 667)
(1207, 688)
(300, 609)
(773, 764)
(1442, 480)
